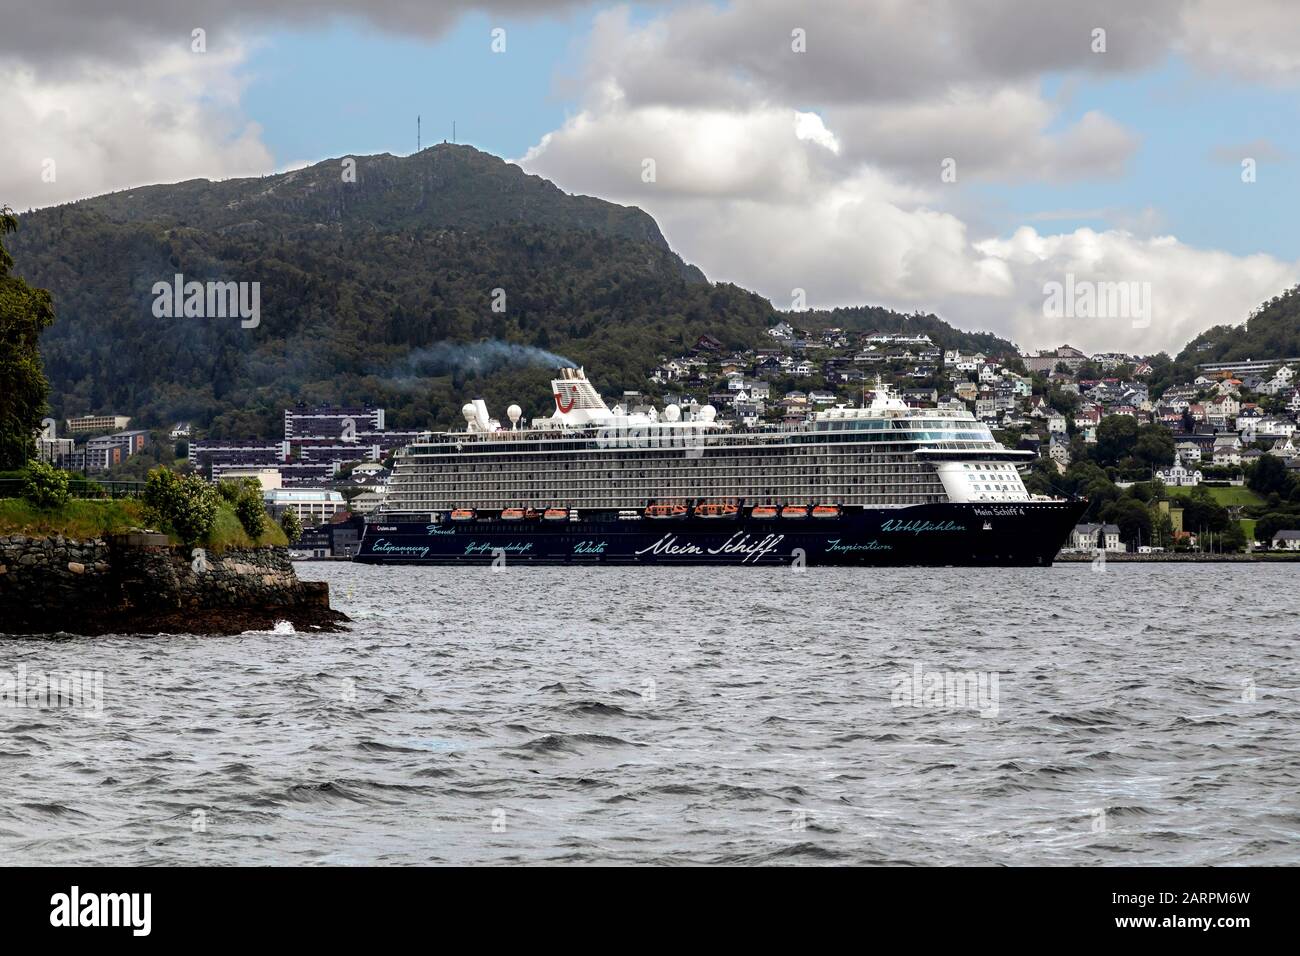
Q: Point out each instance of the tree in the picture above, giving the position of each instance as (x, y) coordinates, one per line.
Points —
(1154, 445)
(1269, 476)
(250, 509)
(290, 525)
(1133, 518)
(1273, 522)
(1234, 538)
(1202, 513)
(45, 486)
(1116, 436)
(24, 313)
(187, 503)
(1162, 531)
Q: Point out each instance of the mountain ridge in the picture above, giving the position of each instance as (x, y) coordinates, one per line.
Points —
(356, 276)
(442, 185)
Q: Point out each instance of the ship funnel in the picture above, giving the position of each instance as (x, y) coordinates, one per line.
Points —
(576, 401)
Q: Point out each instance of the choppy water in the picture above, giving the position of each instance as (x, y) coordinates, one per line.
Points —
(652, 715)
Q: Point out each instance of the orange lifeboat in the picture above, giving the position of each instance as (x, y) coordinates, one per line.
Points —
(665, 511)
(826, 511)
(463, 514)
(763, 511)
(512, 514)
(794, 511)
(556, 514)
(716, 510)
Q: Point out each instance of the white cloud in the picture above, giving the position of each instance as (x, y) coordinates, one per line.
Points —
(1191, 289)
(757, 197)
(1259, 40)
(846, 202)
(707, 153)
(1001, 135)
(173, 117)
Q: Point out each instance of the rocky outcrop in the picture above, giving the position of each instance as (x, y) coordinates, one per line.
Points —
(140, 584)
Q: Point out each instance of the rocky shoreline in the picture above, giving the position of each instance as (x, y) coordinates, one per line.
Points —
(140, 584)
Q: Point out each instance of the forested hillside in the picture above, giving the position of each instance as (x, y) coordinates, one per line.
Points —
(867, 318)
(1271, 331)
(363, 285)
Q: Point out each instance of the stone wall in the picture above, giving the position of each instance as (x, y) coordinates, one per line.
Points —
(138, 583)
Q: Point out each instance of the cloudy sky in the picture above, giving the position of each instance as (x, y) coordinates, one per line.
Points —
(955, 156)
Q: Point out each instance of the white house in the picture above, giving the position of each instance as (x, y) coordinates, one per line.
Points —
(1281, 379)
(1179, 476)
(1275, 428)
(1059, 451)
(1086, 536)
(1227, 450)
(1286, 540)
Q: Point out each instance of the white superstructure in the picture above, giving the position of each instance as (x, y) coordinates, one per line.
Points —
(587, 455)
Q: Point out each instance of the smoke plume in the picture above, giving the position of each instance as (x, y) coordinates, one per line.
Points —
(479, 358)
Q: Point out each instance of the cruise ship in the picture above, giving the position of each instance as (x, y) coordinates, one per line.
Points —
(881, 484)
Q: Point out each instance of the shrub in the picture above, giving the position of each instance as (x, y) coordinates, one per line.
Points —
(290, 525)
(45, 486)
(251, 512)
(188, 504)
(230, 489)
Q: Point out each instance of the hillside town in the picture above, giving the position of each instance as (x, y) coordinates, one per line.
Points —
(330, 464)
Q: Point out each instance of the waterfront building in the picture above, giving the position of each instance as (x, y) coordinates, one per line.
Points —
(312, 505)
(1093, 537)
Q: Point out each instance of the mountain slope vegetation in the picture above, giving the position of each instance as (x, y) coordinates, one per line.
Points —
(362, 285)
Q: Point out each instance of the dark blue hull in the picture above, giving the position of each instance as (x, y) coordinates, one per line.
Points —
(1020, 534)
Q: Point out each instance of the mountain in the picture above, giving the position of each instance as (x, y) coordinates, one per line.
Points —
(1272, 331)
(868, 318)
(362, 285)
(447, 185)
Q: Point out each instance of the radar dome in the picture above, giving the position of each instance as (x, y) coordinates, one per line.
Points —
(708, 413)
(513, 413)
(468, 411)
(672, 413)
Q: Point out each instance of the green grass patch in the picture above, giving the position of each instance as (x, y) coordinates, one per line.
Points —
(80, 519)
(1224, 496)
(85, 519)
(227, 532)
(1248, 526)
